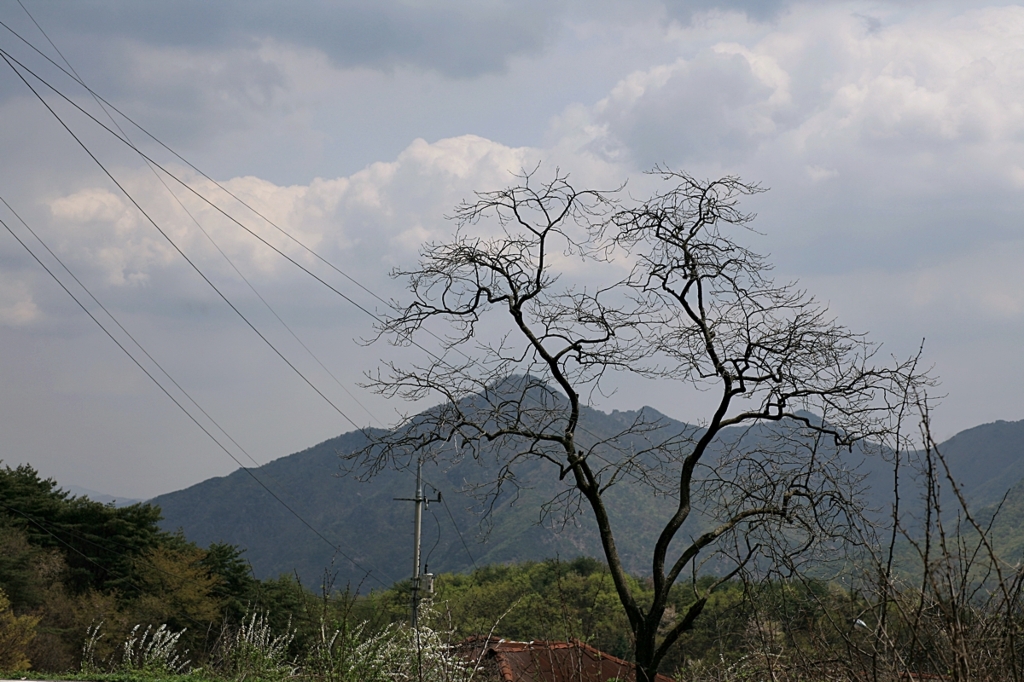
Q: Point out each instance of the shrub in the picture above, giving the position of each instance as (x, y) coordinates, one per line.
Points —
(16, 633)
(254, 652)
(156, 652)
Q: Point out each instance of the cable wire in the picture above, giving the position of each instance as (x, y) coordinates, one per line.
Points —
(103, 105)
(125, 331)
(437, 540)
(149, 159)
(456, 527)
(112, 317)
(99, 98)
(85, 539)
(163, 389)
(125, 140)
(6, 58)
(150, 162)
(377, 318)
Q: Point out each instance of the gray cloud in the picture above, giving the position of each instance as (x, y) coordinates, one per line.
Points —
(459, 39)
(892, 148)
(759, 10)
(713, 105)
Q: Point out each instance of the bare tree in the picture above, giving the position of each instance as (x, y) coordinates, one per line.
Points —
(572, 285)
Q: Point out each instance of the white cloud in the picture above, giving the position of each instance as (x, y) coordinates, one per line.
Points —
(104, 232)
(819, 174)
(925, 92)
(372, 219)
(17, 307)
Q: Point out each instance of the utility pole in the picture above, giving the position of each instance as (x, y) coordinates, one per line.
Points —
(419, 500)
(417, 577)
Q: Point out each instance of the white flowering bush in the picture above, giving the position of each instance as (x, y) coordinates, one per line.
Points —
(395, 654)
(254, 652)
(349, 654)
(92, 638)
(154, 651)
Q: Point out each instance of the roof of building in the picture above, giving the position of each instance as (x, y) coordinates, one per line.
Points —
(548, 661)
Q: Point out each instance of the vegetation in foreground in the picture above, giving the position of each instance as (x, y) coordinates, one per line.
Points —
(89, 591)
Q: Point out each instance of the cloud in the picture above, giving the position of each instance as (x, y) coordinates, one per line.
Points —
(759, 10)
(369, 221)
(980, 289)
(890, 133)
(457, 38)
(721, 104)
(17, 306)
(884, 145)
(104, 233)
(822, 84)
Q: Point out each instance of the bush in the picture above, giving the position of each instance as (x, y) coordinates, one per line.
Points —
(16, 633)
(394, 654)
(254, 652)
(156, 652)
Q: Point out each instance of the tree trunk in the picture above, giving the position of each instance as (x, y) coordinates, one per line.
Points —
(646, 668)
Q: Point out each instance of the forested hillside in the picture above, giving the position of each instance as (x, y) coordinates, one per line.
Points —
(363, 519)
(374, 531)
(68, 563)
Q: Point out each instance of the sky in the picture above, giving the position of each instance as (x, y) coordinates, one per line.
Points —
(890, 134)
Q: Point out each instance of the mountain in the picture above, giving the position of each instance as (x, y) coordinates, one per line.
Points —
(96, 496)
(986, 460)
(988, 463)
(374, 530)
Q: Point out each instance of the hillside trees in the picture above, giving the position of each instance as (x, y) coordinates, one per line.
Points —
(68, 562)
(16, 633)
(547, 290)
(99, 542)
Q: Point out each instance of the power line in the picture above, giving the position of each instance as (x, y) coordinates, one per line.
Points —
(8, 57)
(184, 409)
(126, 332)
(456, 527)
(11, 61)
(85, 539)
(170, 241)
(112, 317)
(149, 160)
(437, 540)
(125, 350)
(124, 137)
(125, 140)
(103, 105)
(99, 98)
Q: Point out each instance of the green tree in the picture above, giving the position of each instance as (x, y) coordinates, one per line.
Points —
(16, 634)
(28, 573)
(175, 588)
(236, 587)
(99, 542)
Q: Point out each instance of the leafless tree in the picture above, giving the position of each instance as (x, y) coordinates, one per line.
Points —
(573, 285)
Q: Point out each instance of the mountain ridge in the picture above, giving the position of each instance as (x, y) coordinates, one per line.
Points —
(374, 530)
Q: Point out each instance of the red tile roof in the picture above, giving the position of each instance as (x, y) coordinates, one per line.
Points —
(549, 661)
